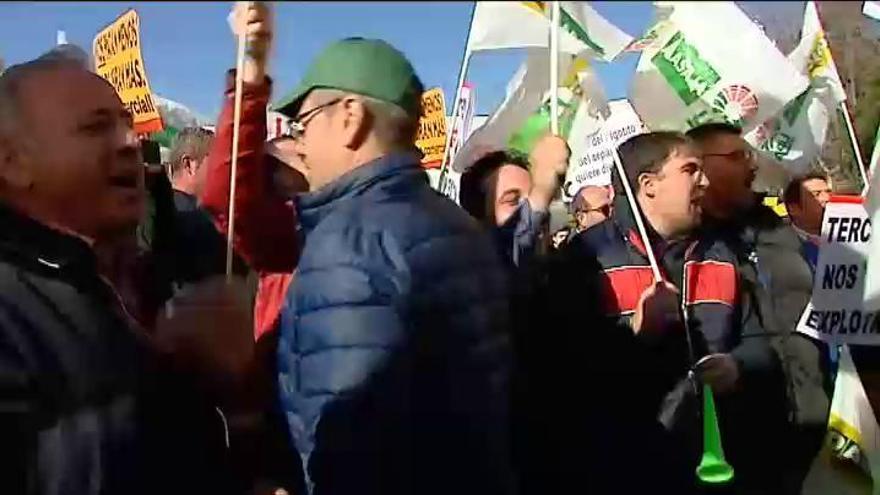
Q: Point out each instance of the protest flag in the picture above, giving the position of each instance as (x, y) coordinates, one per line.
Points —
(498, 25)
(707, 61)
(796, 135)
(849, 461)
(872, 205)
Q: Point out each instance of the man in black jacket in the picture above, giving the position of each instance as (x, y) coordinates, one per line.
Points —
(86, 405)
(770, 263)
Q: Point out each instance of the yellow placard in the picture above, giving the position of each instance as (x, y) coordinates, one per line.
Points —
(118, 59)
(431, 139)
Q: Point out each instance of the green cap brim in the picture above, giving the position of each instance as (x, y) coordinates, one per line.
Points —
(289, 104)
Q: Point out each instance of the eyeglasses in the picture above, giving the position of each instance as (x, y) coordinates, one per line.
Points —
(746, 154)
(604, 209)
(298, 124)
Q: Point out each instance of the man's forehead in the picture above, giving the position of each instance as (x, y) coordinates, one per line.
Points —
(815, 184)
(70, 89)
(729, 142)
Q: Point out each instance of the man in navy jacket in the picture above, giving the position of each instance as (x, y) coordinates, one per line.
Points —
(393, 353)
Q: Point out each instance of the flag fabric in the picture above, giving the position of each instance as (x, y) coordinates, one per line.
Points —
(849, 461)
(813, 53)
(709, 62)
(524, 115)
(499, 25)
(872, 9)
(795, 137)
(525, 93)
(872, 205)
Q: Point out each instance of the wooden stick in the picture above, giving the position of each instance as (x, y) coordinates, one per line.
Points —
(236, 124)
(554, 68)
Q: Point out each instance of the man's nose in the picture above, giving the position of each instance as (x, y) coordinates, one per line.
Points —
(126, 137)
(703, 181)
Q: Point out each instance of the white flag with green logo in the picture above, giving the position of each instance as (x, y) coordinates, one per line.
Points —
(499, 25)
(524, 115)
(710, 63)
(795, 137)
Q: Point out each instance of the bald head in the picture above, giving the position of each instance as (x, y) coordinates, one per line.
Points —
(68, 155)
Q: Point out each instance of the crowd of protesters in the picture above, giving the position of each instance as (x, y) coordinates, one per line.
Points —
(376, 338)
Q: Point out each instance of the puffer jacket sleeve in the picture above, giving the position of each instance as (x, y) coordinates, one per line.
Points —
(336, 339)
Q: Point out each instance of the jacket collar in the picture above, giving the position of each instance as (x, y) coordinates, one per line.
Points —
(26, 239)
(396, 168)
(625, 222)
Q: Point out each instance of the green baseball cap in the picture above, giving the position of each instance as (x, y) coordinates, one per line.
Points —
(366, 67)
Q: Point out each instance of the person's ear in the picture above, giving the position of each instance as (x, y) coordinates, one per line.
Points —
(14, 170)
(647, 183)
(188, 165)
(356, 122)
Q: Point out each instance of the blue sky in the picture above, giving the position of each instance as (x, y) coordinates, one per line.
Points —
(187, 46)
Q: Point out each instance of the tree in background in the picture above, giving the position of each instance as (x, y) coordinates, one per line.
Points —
(855, 44)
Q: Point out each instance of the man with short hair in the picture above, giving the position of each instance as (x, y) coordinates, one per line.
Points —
(392, 356)
(774, 273)
(665, 172)
(87, 404)
(805, 198)
(591, 206)
(199, 249)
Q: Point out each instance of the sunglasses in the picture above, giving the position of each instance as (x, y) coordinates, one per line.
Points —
(298, 124)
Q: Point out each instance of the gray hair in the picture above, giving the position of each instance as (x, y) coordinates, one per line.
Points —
(394, 128)
(193, 142)
(13, 79)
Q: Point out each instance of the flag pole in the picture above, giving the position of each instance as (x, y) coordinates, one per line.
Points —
(462, 73)
(554, 68)
(236, 124)
(855, 146)
(854, 142)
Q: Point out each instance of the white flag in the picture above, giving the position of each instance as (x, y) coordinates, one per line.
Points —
(848, 460)
(796, 136)
(813, 53)
(711, 63)
(498, 25)
(872, 9)
(524, 113)
(525, 92)
(872, 205)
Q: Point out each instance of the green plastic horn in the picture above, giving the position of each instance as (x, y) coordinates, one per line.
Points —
(713, 468)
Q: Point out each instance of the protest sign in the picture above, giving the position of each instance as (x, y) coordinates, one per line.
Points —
(277, 125)
(461, 127)
(836, 312)
(591, 155)
(431, 138)
(118, 59)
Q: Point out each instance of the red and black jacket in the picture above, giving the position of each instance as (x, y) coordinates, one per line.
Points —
(720, 309)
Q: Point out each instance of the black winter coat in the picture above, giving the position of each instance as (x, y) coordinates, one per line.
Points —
(85, 407)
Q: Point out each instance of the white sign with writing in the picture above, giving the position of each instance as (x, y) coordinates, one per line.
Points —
(836, 312)
(591, 158)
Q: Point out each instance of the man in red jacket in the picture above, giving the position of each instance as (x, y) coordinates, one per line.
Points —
(265, 233)
(265, 237)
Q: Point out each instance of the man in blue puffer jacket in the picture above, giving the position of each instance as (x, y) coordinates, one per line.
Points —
(393, 355)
